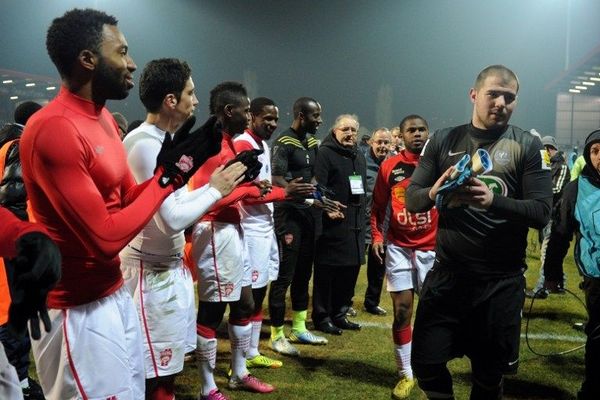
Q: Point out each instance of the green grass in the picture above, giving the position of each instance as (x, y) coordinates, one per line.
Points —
(360, 365)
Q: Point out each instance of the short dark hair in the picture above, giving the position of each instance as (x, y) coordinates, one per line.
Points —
(25, 110)
(257, 104)
(75, 31)
(302, 105)
(161, 77)
(226, 93)
(506, 73)
(408, 118)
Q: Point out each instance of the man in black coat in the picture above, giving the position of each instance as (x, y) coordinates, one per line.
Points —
(340, 167)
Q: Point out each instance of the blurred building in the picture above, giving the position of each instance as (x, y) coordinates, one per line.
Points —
(577, 101)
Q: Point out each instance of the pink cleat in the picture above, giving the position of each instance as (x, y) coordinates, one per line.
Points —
(250, 383)
(214, 394)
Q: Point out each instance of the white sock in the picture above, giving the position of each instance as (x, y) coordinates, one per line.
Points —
(402, 353)
(254, 339)
(239, 338)
(206, 352)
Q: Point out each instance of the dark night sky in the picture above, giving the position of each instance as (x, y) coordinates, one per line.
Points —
(426, 52)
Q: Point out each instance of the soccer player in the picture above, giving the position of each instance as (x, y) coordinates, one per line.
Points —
(472, 298)
(217, 250)
(260, 243)
(152, 266)
(80, 188)
(410, 241)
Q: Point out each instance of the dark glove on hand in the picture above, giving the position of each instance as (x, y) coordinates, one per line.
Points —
(250, 159)
(181, 156)
(37, 268)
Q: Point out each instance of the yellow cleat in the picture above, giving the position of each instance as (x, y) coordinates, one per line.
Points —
(261, 361)
(403, 388)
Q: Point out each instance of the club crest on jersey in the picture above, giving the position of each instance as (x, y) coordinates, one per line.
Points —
(399, 193)
(501, 157)
(545, 160)
(185, 163)
(165, 357)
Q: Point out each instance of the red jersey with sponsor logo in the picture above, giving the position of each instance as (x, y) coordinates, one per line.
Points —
(412, 231)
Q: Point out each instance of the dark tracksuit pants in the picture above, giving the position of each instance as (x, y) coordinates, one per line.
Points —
(296, 230)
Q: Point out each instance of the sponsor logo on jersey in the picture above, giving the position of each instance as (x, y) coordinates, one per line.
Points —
(454, 153)
(495, 184)
(165, 357)
(545, 160)
(501, 157)
(420, 220)
(99, 149)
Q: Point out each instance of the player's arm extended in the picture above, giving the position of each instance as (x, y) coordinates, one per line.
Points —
(65, 180)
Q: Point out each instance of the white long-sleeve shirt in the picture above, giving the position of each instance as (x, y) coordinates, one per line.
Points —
(162, 239)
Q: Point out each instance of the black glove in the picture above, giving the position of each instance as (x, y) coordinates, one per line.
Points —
(250, 159)
(37, 268)
(187, 151)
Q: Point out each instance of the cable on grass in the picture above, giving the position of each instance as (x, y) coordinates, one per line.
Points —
(593, 335)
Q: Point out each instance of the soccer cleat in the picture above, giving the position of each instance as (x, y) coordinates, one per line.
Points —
(403, 388)
(261, 361)
(214, 394)
(282, 346)
(307, 337)
(251, 384)
(33, 392)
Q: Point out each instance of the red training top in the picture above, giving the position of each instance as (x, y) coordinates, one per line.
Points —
(77, 179)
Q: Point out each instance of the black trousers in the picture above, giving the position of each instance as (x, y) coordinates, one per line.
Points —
(590, 389)
(296, 237)
(333, 289)
(375, 275)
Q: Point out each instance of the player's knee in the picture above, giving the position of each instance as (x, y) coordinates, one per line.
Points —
(434, 380)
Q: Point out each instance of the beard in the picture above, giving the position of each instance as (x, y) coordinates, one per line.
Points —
(108, 83)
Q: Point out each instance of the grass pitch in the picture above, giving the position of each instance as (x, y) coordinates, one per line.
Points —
(360, 365)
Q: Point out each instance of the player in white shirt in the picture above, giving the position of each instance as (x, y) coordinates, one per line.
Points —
(152, 262)
(260, 243)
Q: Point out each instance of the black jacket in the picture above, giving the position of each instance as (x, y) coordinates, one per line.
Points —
(12, 190)
(342, 241)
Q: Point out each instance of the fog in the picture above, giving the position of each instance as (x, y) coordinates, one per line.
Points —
(379, 59)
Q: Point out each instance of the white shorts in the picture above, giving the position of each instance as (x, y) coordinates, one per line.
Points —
(217, 251)
(406, 269)
(166, 306)
(93, 351)
(261, 255)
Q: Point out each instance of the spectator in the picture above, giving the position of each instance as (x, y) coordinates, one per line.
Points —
(379, 150)
(576, 213)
